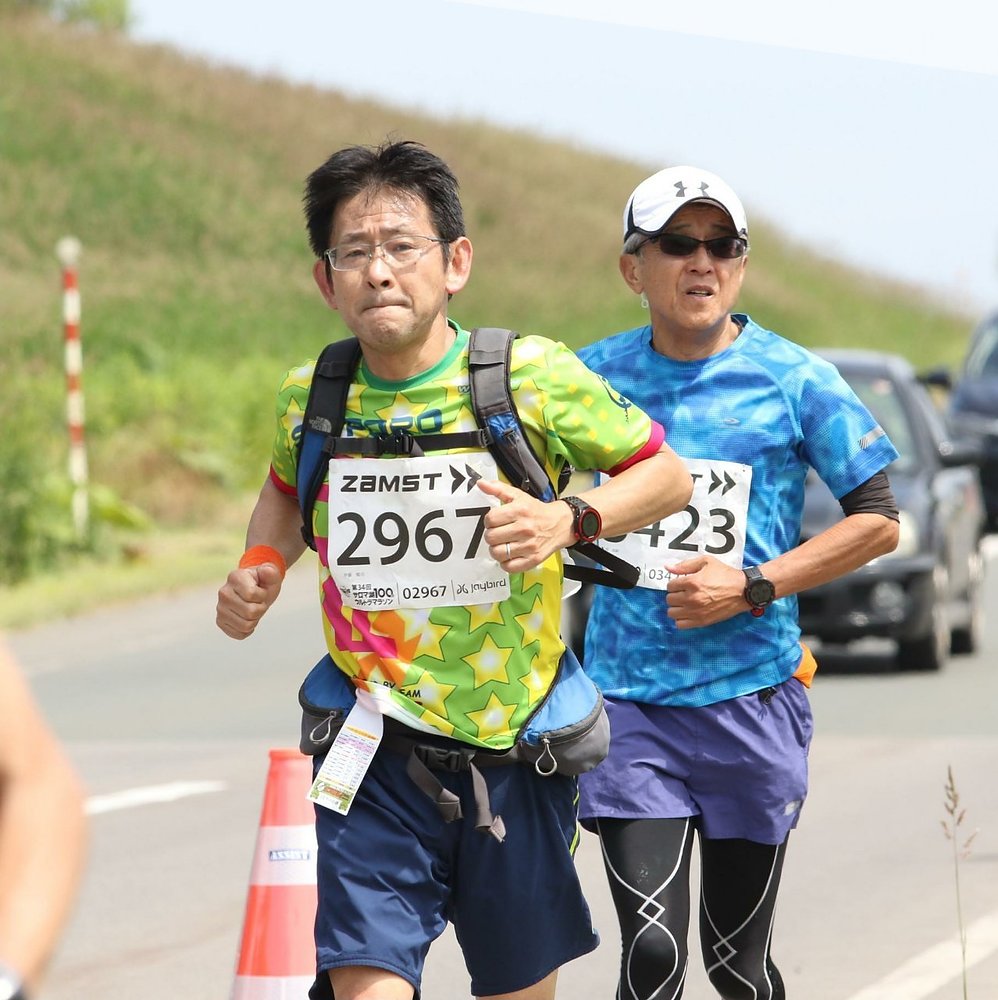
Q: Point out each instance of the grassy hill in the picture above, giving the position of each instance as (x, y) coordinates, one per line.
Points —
(183, 182)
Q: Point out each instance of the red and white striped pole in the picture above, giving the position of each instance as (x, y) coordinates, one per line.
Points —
(68, 251)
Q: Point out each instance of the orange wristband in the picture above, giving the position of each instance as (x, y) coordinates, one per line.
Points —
(257, 555)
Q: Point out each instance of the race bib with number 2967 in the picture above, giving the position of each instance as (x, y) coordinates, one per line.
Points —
(408, 532)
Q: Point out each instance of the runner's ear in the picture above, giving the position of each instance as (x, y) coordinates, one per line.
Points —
(630, 269)
(458, 265)
(322, 274)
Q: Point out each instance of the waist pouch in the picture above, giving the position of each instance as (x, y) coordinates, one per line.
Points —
(569, 732)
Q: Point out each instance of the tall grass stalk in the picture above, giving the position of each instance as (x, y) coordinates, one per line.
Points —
(955, 816)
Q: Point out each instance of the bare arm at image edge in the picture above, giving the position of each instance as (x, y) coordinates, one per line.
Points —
(42, 830)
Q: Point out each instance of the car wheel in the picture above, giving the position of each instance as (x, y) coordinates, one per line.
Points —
(967, 638)
(929, 652)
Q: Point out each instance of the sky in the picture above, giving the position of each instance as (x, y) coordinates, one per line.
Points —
(866, 130)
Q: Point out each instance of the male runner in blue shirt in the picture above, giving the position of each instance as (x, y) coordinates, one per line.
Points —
(702, 664)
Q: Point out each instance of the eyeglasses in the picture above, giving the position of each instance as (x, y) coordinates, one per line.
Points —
(723, 247)
(399, 251)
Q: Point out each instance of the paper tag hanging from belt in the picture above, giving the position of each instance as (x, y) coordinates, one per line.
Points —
(348, 759)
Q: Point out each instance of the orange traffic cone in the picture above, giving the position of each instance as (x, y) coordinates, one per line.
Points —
(277, 955)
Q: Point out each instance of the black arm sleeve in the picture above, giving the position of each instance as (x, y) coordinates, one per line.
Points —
(872, 497)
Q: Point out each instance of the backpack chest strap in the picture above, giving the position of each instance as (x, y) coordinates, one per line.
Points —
(401, 442)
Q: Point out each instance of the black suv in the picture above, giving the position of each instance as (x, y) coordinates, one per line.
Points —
(973, 406)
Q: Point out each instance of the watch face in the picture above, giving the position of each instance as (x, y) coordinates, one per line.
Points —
(589, 524)
(760, 592)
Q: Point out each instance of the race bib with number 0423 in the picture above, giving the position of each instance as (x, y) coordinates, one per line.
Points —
(713, 522)
(409, 532)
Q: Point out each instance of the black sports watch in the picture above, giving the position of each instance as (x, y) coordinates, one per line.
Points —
(586, 521)
(11, 986)
(759, 592)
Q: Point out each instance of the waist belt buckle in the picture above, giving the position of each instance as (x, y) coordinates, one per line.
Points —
(442, 759)
(397, 442)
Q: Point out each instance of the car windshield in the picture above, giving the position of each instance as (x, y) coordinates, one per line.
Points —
(881, 398)
(982, 361)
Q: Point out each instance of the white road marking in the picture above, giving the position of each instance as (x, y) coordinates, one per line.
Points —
(922, 975)
(150, 794)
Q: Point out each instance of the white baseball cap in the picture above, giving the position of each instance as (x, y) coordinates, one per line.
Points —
(657, 199)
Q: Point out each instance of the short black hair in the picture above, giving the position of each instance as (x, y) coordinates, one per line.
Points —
(407, 167)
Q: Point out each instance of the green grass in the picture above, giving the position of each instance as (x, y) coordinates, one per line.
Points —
(145, 565)
(167, 561)
(183, 181)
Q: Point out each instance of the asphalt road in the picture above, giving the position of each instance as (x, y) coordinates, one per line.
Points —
(170, 724)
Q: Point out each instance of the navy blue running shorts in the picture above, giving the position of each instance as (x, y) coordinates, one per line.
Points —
(391, 874)
(739, 765)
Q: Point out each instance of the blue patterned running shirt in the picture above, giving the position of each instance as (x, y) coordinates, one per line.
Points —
(750, 421)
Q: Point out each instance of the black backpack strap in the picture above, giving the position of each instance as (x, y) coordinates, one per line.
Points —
(619, 574)
(489, 352)
(322, 423)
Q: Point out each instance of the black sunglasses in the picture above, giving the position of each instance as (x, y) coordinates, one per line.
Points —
(724, 247)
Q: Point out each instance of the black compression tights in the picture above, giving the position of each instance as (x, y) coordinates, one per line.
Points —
(648, 865)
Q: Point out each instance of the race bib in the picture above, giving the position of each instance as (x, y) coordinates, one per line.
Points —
(409, 532)
(714, 522)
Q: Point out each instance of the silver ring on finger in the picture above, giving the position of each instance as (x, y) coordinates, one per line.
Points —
(509, 555)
